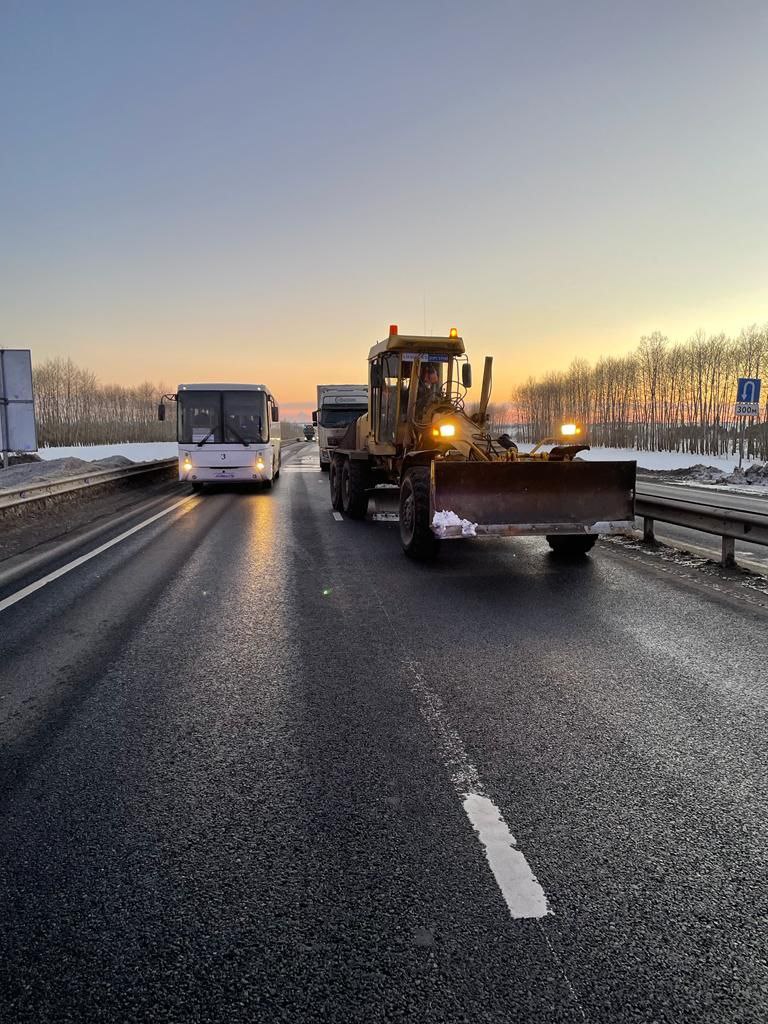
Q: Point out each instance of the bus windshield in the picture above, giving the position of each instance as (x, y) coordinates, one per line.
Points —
(223, 417)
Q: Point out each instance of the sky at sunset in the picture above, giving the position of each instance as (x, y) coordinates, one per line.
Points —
(253, 191)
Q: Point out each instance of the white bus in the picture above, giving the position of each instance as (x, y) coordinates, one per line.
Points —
(226, 432)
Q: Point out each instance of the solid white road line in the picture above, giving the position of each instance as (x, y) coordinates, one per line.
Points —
(38, 584)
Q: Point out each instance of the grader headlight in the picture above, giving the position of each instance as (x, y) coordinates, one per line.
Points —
(569, 430)
(445, 430)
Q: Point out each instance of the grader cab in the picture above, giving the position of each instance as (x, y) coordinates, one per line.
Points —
(455, 478)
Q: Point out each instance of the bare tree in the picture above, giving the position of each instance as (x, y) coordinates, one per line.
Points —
(677, 397)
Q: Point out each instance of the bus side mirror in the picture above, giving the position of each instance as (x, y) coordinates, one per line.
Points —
(314, 418)
(466, 375)
(275, 414)
(161, 412)
(375, 375)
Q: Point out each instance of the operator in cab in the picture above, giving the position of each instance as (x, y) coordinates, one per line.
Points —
(429, 387)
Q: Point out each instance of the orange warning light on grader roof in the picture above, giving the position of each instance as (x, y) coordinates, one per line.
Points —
(453, 333)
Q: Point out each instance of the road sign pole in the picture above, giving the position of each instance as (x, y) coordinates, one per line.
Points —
(3, 425)
(747, 405)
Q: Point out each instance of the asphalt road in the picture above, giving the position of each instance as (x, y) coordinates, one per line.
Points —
(753, 555)
(236, 748)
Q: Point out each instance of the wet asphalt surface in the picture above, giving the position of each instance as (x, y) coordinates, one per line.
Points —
(220, 800)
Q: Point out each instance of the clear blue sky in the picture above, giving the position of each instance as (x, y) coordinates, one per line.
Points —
(256, 190)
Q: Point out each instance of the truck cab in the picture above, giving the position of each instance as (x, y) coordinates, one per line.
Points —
(338, 405)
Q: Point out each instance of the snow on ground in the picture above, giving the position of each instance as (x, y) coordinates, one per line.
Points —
(143, 452)
(136, 452)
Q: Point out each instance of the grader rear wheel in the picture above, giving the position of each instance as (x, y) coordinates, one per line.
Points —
(334, 479)
(354, 500)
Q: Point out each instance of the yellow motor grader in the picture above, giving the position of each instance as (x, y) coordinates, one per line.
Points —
(457, 480)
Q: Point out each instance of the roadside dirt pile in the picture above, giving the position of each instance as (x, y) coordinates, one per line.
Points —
(755, 475)
(28, 473)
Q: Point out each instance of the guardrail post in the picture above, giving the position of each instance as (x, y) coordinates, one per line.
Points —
(649, 537)
(728, 559)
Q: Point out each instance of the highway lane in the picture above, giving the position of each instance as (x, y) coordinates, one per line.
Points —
(753, 555)
(231, 746)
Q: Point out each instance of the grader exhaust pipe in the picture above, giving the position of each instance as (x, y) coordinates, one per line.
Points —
(485, 391)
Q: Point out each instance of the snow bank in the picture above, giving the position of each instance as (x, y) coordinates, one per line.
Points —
(136, 452)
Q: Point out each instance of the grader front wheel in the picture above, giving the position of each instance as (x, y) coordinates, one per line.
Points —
(415, 534)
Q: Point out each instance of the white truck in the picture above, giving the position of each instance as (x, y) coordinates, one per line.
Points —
(337, 406)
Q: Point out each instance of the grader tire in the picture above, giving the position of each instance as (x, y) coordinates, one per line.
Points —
(569, 545)
(334, 479)
(354, 500)
(415, 534)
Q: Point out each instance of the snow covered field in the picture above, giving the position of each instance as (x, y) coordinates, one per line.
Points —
(660, 460)
(168, 449)
(139, 452)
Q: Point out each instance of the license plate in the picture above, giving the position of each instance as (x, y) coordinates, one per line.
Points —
(223, 475)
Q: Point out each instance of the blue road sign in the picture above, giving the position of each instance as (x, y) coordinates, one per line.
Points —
(748, 389)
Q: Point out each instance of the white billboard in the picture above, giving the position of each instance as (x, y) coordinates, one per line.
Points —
(17, 408)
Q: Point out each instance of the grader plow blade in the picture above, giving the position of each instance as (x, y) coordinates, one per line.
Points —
(515, 498)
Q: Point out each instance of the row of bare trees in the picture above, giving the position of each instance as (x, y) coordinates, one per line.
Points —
(667, 397)
(72, 407)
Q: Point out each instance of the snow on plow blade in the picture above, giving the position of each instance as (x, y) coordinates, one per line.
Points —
(507, 498)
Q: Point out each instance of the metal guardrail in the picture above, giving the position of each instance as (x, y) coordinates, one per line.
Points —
(33, 492)
(730, 524)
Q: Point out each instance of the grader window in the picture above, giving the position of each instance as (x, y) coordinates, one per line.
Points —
(406, 368)
(390, 365)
